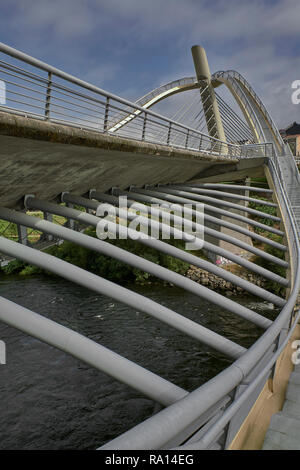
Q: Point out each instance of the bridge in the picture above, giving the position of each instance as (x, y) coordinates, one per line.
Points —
(67, 147)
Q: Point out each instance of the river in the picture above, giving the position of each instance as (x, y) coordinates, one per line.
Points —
(50, 400)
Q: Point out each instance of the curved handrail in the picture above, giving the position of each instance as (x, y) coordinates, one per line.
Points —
(98, 112)
(233, 74)
(173, 420)
(72, 79)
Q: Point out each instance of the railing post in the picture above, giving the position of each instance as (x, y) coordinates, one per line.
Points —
(144, 126)
(105, 122)
(22, 235)
(200, 143)
(187, 138)
(48, 96)
(169, 134)
(49, 217)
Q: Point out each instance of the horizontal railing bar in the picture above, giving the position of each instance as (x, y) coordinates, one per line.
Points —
(26, 104)
(27, 80)
(96, 110)
(25, 87)
(24, 96)
(22, 72)
(42, 65)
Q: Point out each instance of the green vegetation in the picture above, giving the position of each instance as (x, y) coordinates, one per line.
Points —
(266, 210)
(102, 265)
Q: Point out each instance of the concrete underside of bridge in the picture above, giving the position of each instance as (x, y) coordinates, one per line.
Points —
(45, 159)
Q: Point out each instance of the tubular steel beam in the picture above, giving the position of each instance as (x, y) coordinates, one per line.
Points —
(90, 352)
(210, 208)
(102, 286)
(193, 189)
(217, 427)
(163, 247)
(232, 240)
(148, 307)
(197, 331)
(206, 245)
(207, 217)
(198, 197)
(229, 238)
(156, 432)
(228, 186)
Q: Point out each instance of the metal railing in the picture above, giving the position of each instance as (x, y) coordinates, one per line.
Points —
(210, 416)
(38, 90)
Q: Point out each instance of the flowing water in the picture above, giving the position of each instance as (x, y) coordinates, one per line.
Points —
(50, 400)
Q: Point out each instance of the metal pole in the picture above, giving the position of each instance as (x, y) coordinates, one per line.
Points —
(48, 96)
(184, 325)
(90, 352)
(168, 249)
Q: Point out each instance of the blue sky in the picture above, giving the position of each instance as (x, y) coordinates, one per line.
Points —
(129, 47)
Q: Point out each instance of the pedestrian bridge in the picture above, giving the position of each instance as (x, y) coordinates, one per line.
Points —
(66, 147)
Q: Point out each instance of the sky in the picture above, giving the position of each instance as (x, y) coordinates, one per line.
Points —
(129, 47)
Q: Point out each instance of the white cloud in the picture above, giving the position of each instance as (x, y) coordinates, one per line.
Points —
(247, 36)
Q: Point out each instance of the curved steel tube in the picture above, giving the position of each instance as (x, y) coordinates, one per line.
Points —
(161, 246)
(206, 245)
(192, 189)
(207, 217)
(90, 352)
(209, 208)
(228, 238)
(161, 429)
(128, 297)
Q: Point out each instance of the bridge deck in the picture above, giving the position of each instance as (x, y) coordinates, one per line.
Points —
(53, 158)
(284, 429)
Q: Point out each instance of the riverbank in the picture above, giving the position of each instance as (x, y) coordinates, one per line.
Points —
(218, 284)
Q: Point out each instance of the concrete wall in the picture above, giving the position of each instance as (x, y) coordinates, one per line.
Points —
(45, 159)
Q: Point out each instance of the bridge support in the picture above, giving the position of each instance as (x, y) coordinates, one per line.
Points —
(22, 235)
(208, 97)
(159, 245)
